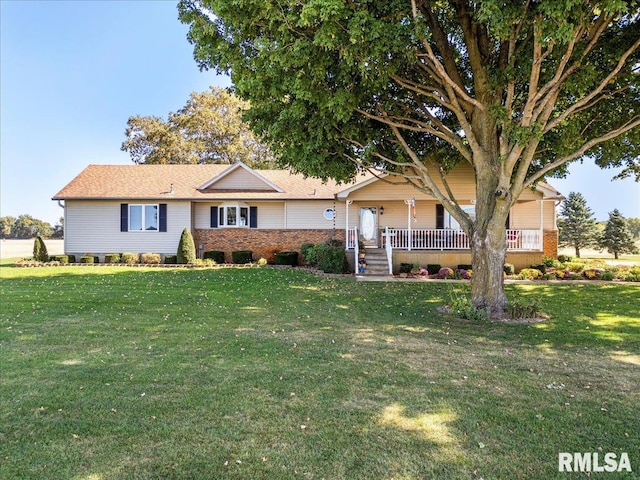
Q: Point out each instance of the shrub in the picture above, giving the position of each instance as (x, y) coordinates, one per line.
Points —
(170, 259)
(262, 262)
(331, 259)
(62, 258)
(406, 267)
(632, 275)
(549, 261)
(509, 269)
(186, 248)
(607, 275)
(540, 266)
(530, 273)
(311, 253)
(592, 273)
(215, 255)
(433, 268)
(523, 308)
(130, 258)
(445, 272)
(87, 259)
(286, 258)
(40, 250)
(462, 307)
(112, 258)
(564, 258)
(305, 248)
(242, 256)
(72, 258)
(150, 258)
(334, 242)
(464, 266)
(575, 267)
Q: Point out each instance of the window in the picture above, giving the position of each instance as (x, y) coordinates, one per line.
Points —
(329, 214)
(233, 215)
(452, 223)
(143, 218)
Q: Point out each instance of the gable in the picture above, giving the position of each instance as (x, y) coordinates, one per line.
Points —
(238, 178)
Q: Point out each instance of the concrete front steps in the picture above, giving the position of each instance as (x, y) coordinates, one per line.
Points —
(377, 264)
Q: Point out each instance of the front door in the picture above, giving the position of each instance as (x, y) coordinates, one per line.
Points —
(369, 226)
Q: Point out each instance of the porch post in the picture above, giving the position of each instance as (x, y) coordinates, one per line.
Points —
(346, 228)
(410, 237)
(541, 239)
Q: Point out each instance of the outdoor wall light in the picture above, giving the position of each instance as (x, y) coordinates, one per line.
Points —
(381, 210)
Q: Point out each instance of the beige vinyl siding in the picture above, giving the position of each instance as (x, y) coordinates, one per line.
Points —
(310, 214)
(526, 215)
(461, 181)
(240, 179)
(94, 227)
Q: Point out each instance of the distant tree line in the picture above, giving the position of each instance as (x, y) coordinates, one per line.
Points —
(578, 229)
(25, 226)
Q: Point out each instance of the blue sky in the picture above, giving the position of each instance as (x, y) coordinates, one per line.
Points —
(73, 72)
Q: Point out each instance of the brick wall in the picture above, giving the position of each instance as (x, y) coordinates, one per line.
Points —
(550, 243)
(263, 243)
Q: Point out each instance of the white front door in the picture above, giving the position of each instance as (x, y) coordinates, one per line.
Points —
(369, 226)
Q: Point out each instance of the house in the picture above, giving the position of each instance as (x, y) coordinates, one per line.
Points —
(144, 208)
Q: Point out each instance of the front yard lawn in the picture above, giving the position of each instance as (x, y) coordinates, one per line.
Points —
(118, 373)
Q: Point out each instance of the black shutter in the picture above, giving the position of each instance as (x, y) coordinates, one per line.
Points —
(163, 217)
(214, 217)
(124, 217)
(439, 215)
(253, 217)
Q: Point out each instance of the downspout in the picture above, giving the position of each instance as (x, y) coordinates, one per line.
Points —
(541, 244)
(64, 225)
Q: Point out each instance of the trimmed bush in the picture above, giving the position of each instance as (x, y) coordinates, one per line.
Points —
(464, 266)
(433, 268)
(406, 267)
(170, 259)
(215, 255)
(112, 258)
(186, 248)
(262, 262)
(564, 258)
(72, 258)
(509, 269)
(150, 258)
(87, 259)
(286, 258)
(130, 258)
(242, 256)
(62, 258)
(40, 250)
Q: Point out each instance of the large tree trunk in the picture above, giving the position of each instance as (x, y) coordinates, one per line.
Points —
(489, 242)
(488, 252)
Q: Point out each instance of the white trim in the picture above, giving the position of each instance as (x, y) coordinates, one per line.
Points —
(234, 167)
(342, 195)
(142, 217)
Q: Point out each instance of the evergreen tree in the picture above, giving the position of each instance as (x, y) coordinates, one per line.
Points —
(40, 250)
(577, 226)
(617, 237)
(186, 248)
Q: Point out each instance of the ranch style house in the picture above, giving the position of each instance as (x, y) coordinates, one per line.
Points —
(144, 209)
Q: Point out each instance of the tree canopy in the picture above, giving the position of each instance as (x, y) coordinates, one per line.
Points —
(208, 129)
(617, 237)
(516, 89)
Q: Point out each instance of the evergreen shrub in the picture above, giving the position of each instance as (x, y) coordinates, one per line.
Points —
(40, 250)
(186, 248)
(433, 268)
(130, 258)
(287, 258)
(242, 256)
(112, 258)
(215, 255)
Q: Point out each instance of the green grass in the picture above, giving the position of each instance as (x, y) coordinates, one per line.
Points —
(118, 373)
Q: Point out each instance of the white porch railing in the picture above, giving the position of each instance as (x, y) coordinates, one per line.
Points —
(448, 239)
